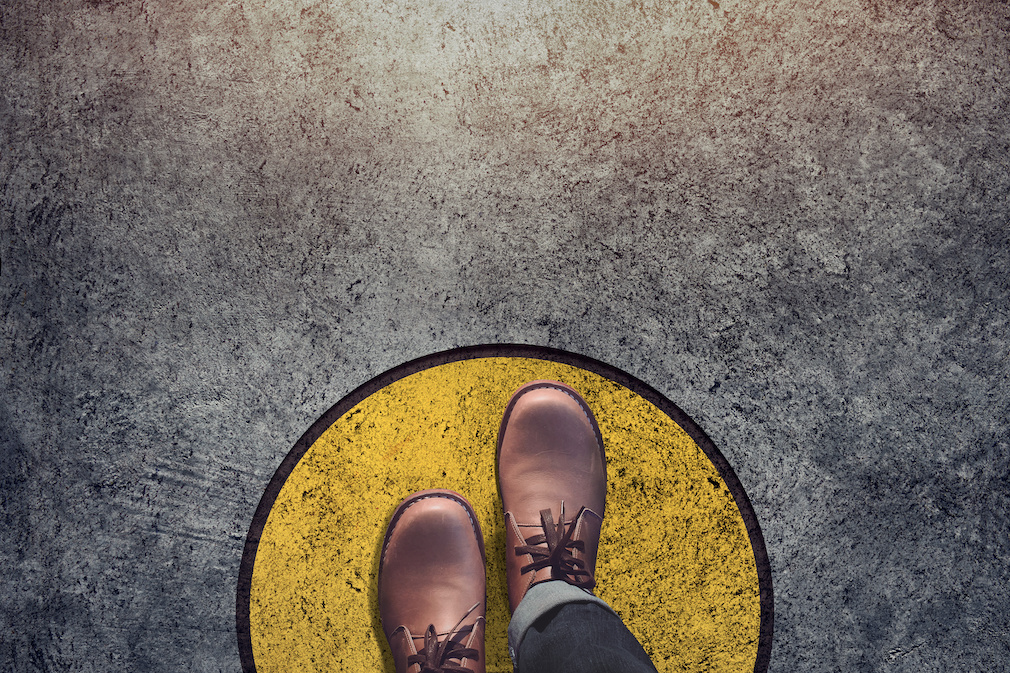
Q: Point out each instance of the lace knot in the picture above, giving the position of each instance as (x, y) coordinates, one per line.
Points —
(558, 553)
(434, 656)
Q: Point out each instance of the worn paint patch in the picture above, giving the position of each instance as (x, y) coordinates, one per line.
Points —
(675, 559)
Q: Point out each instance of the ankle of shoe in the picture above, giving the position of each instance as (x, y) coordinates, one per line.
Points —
(538, 601)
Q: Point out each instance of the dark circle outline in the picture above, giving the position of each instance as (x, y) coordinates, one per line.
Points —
(242, 619)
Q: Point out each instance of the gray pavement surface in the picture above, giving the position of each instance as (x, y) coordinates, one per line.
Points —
(791, 218)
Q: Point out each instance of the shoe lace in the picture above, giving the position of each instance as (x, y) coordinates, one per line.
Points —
(558, 554)
(434, 656)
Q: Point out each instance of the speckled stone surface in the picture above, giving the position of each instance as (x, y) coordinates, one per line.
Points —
(791, 218)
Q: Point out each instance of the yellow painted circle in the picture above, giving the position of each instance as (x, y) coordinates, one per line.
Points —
(675, 558)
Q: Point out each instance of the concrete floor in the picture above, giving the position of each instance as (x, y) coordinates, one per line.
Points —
(791, 218)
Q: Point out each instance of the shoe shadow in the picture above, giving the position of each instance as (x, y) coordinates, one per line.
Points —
(388, 665)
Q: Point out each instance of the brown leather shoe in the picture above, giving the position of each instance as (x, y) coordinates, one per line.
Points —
(432, 585)
(552, 475)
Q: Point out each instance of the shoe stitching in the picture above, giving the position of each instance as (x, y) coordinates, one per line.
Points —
(466, 509)
(583, 406)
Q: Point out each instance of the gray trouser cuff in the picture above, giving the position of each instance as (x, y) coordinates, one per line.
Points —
(538, 601)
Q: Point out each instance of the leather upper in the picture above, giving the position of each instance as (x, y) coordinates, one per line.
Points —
(432, 573)
(550, 452)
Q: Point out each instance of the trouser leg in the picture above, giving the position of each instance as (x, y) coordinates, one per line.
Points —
(560, 628)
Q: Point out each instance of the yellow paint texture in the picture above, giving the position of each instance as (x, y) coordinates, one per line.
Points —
(675, 559)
